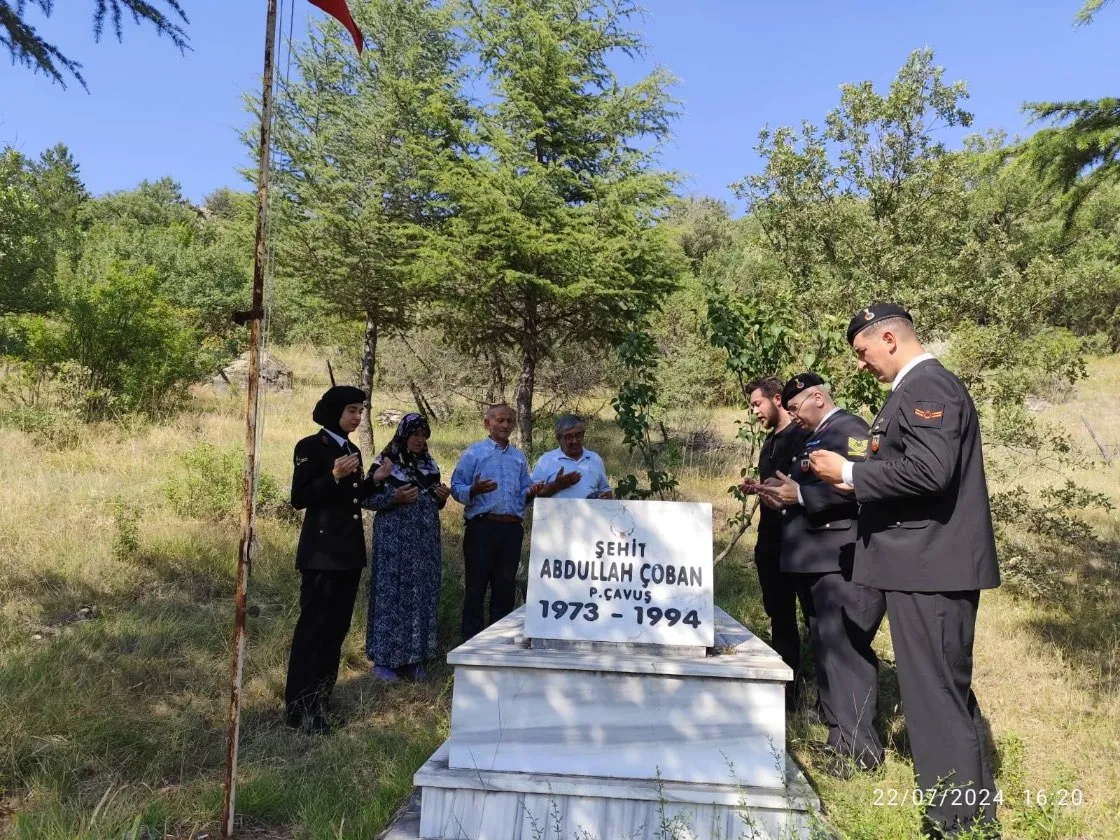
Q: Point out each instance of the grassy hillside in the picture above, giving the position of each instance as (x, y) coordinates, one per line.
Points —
(116, 581)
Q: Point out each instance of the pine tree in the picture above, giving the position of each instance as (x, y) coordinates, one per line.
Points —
(361, 140)
(1080, 152)
(27, 47)
(554, 237)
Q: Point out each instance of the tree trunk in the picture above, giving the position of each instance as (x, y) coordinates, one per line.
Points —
(496, 388)
(422, 404)
(526, 381)
(369, 368)
(742, 529)
(525, 384)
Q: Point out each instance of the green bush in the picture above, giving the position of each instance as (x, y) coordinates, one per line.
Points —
(208, 486)
(133, 344)
(114, 347)
(126, 531)
(34, 400)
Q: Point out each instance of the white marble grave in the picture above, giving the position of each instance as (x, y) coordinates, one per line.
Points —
(615, 715)
(636, 572)
(613, 742)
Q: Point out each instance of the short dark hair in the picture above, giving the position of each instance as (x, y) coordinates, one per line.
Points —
(770, 386)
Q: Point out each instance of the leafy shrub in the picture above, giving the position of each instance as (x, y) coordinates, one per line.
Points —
(114, 347)
(35, 401)
(209, 486)
(126, 530)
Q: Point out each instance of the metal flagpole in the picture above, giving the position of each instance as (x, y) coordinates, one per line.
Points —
(254, 318)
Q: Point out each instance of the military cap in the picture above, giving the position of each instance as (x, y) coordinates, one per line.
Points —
(799, 383)
(873, 314)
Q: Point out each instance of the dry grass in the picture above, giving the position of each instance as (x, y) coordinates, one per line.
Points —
(113, 726)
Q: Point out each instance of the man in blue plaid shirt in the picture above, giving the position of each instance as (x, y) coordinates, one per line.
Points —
(492, 483)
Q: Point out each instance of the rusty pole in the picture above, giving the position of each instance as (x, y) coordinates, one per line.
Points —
(254, 318)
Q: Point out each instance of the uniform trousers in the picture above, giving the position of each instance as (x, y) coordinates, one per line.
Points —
(779, 599)
(491, 554)
(932, 634)
(843, 620)
(326, 605)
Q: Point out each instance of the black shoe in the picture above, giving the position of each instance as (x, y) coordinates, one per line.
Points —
(315, 724)
(843, 766)
(293, 718)
(839, 767)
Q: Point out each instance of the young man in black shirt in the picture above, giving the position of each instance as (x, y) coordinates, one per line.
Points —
(779, 593)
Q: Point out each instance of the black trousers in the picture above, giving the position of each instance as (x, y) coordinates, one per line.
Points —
(932, 634)
(326, 604)
(779, 599)
(843, 620)
(491, 553)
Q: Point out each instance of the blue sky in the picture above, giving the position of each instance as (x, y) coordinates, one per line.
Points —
(740, 63)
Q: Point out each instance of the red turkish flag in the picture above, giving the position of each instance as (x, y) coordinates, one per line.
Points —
(341, 12)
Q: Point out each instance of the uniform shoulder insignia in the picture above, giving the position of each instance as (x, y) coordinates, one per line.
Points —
(857, 447)
(302, 461)
(929, 414)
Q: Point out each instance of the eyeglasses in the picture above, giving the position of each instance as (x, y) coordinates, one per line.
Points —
(793, 409)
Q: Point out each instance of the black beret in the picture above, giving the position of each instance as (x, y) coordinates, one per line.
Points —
(799, 383)
(873, 314)
(329, 408)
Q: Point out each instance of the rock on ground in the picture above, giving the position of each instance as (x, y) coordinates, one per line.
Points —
(275, 375)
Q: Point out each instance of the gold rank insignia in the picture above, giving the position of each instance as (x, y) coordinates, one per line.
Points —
(857, 447)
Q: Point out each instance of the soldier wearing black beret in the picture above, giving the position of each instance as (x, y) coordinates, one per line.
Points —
(818, 546)
(327, 483)
(926, 539)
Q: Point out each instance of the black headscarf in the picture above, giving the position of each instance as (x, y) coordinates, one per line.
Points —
(328, 411)
(421, 468)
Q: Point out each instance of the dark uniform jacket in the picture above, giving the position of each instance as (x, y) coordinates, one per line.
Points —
(331, 538)
(924, 522)
(777, 451)
(820, 536)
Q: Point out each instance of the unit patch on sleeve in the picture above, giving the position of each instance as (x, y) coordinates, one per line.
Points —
(929, 414)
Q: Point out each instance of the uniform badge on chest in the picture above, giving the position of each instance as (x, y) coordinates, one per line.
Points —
(875, 443)
(804, 465)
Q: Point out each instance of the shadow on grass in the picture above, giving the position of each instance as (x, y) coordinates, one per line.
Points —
(116, 723)
(737, 591)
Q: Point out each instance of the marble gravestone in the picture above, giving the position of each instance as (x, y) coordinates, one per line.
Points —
(624, 572)
(618, 700)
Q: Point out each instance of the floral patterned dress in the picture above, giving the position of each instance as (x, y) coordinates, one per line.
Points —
(405, 574)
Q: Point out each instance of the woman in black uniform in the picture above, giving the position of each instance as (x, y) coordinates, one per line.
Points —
(328, 484)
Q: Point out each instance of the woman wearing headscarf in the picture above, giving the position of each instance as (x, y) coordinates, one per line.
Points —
(405, 576)
(327, 483)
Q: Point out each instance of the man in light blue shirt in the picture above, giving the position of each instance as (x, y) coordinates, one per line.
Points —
(572, 472)
(492, 483)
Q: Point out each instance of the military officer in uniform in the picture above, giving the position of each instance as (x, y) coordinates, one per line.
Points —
(327, 483)
(925, 538)
(779, 591)
(818, 546)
